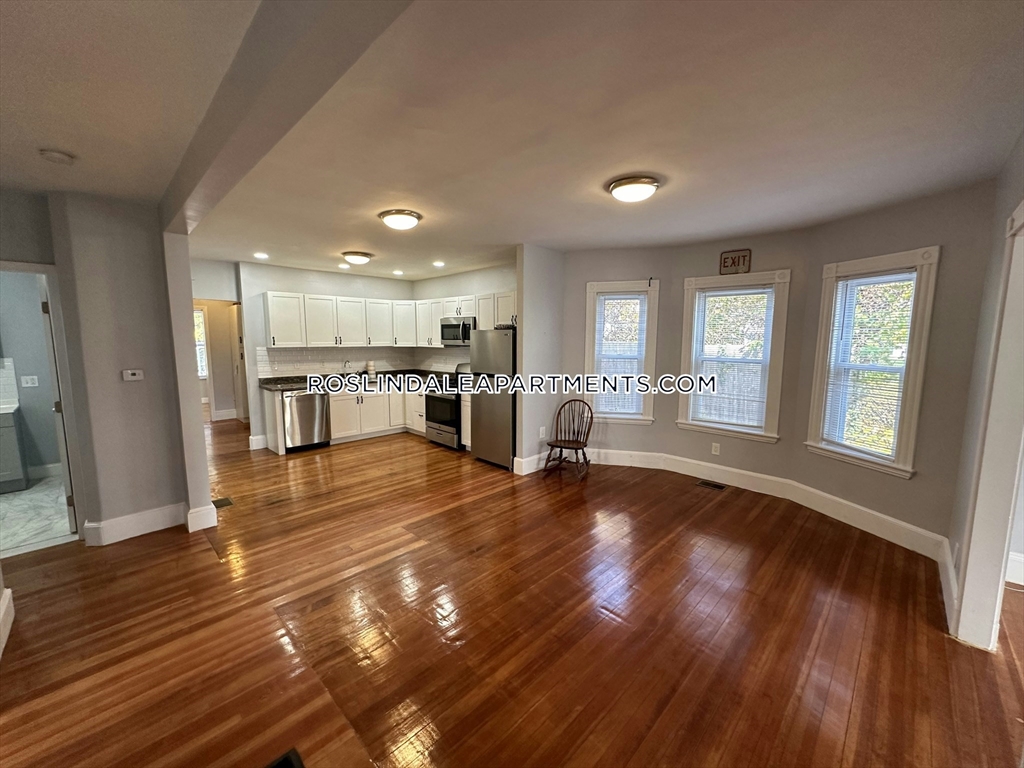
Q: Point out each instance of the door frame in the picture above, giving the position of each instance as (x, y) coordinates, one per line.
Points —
(60, 352)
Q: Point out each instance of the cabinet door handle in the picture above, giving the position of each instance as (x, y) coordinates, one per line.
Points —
(369, 340)
(273, 341)
(396, 341)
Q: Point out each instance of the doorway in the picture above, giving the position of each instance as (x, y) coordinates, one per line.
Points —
(36, 494)
(215, 327)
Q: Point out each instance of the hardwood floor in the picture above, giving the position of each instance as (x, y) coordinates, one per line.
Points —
(395, 602)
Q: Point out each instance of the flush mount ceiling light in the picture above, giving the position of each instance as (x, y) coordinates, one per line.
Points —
(438, 263)
(400, 219)
(633, 189)
(261, 256)
(398, 272)
(356, 257)
(344, 266)
(57, 156)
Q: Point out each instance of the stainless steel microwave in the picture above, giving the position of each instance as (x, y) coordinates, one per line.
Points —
(455, 331)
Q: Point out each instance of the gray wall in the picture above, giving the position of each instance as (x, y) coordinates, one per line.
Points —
(959, 221)
(23, 331)
(214, 280)
(113, 285)
(25, 227)
(218, 343)
(256, 279)
(541, 288)
(490, 280)
(1009, 193)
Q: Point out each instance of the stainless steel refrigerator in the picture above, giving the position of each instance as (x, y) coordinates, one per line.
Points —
(493, 417)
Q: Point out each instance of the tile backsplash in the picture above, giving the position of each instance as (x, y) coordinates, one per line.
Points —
(299, 362)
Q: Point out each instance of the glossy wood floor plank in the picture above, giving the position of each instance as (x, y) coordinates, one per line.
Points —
(395, 602)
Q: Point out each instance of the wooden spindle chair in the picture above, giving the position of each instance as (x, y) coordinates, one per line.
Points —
(572, 430)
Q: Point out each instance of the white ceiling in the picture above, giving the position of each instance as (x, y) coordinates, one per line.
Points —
(122, 85)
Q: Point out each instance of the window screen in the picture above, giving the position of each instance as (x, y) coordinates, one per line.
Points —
(732, 341)
(867, 360)
(199, 322)
(620, 339)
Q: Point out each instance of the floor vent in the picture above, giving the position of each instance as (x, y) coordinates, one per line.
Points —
(709, 484)
(221, 503)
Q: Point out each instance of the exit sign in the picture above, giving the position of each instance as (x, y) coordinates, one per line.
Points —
(734, 262)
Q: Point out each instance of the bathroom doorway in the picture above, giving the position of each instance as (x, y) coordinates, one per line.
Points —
(36, 494)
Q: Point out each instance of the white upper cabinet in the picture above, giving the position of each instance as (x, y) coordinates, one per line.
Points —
(451, 306)
(422, 323)
(404, 318)
(379, 325)
(286, 319)
(436, 313)
(485, 312)
(504, 307)
(351, 322)
(467, 306)
(321, 321)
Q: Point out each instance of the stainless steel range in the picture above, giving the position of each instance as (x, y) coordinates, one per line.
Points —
(444, 415)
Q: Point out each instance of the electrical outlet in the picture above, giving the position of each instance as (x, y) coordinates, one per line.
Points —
(132, 374)
(543, 432)
(30, 381)
(716, 449)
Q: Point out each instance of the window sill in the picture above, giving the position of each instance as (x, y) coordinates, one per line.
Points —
(861, 461)
(715, 429)
(606, 419)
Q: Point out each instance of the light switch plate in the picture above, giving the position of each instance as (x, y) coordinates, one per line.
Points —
(716, 449)
(543, 432)
(30, 381)
(132, 374)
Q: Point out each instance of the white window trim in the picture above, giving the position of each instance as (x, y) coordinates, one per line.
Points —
(779, 281)
(924, 261)
(650, 287)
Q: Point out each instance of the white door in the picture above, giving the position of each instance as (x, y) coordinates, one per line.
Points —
(396, 409)
(485, 312)
(423, 324)
(379, 329)
(504, 307)
(351, 322)
(321, 321)
(436, 313)
(373, 413)
(450, 306)
(467, 306)
(404, 316)
(344, 416)
(466, 419)
(286, 320)
(238, 364)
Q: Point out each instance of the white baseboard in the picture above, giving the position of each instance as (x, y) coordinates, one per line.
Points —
(6, 617)
(135, 524)
(926, 543)
(1015, 568)
(528, 465)
(201, 517)
(257, 441)
(45, 470)
(223, 415)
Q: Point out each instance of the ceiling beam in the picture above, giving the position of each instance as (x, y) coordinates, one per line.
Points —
(291, 55)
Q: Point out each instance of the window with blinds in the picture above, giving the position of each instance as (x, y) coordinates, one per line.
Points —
(732, 341)
(620, 343)
(867, 362)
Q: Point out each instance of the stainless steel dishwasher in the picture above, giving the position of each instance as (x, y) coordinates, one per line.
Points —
(307, 419)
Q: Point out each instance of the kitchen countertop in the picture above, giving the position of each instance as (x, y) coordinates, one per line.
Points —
(295, 383)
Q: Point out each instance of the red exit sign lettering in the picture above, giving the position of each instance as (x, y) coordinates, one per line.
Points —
(734, 262)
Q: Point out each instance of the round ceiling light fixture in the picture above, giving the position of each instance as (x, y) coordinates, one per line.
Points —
(633, 189)
(399, 218)
(356, 257)
(57, 156)
(438, 264)
(398, 272)
(261, 256)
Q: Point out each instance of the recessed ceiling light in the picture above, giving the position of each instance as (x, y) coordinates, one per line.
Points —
(57, 156)
(356, 257)
(633, 189)
(438, 263)
(261, 256)
(398, 272)
(400, 219)
(344, 266)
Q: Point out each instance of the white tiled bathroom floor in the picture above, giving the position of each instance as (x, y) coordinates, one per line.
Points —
(34, 515)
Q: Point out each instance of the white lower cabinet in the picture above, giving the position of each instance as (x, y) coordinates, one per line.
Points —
(465, 420)
(344, 416)
(396, 410)
(373, 413)
(415, 410)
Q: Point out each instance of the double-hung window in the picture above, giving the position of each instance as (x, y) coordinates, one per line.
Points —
(199, 323)
(622, 328)
(870, 359)
(734, 330)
